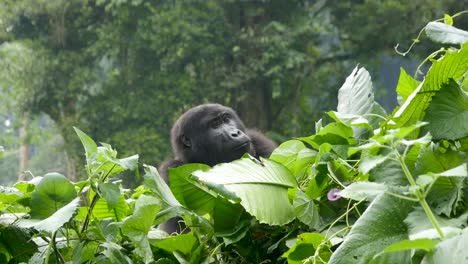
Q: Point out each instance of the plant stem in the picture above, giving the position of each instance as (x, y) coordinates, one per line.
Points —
(421, 197)
(343, 215)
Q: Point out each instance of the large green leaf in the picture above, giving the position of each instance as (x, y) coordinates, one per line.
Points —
(111, 193)
(183, 243)
(448, 113)
(114, 253)
(389, 172)
(52, 193)
(136, 226)
(171, 207)
(306, 249)
(294, 155)
(419, 225)
(453, 65)
(381, 225)
(450, 251)
(422, 243)
(226, 216)
(56, 220)
(446, 193)
(333, 134)
(306, 210)
(188, 192)
(16, 242)
(406, 85)
(262, 187)
(117, 211)
(155, 183)
(84, 251)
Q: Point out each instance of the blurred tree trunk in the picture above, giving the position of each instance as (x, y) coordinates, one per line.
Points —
(72, 155)
(24, 148)
(254, 106)
(255, 109)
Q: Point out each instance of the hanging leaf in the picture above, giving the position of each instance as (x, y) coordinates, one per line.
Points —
(262, 187)
(446, 33)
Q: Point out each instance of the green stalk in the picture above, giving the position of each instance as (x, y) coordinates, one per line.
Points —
(420, 196)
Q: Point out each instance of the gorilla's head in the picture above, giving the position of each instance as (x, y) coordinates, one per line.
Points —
(209, 134)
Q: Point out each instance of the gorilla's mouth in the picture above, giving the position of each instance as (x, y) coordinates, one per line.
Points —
(242, 146)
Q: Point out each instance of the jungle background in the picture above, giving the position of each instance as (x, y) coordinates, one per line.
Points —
(123, 70)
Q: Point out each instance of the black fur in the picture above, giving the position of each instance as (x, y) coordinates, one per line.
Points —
(212, 134)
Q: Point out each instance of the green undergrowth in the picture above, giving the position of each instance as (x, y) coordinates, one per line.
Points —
(368, 187)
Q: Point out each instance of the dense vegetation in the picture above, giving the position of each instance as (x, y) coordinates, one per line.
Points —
(367, 187)
(123, 70)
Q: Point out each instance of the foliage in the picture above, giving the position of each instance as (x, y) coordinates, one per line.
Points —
(368, 187)
(139, 64)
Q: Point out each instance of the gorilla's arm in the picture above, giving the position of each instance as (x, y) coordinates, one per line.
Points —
(262, 145)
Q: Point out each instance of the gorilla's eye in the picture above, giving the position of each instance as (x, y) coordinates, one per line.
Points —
(215, 123)
(226, 118)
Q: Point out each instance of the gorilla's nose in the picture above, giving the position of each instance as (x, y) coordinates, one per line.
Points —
(236, 133)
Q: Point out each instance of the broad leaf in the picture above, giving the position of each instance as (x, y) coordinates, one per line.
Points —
(389, 172)
(52, 193)
(422, 243)
(17, 242)
(155, 183)
(84, 252)
(188, 192)
(419, 225)
(306, 210)
(111, 193)
(235, 235)
(370, 162)
(137, 226)
(446, 193)
(459, 171)
(226, 215)
(406, 85)
(448, 113)
(332, 134)
(262, 187)
(363, 190)
(381, 225)
(183, 243)
(453, 65)
(114, 253)
(294, 155)
(306, 246)
(56, 220)
(450, 251)
(103, 210)
(356, 96)
(443, 33)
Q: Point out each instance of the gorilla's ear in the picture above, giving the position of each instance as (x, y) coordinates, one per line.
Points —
(186, 141)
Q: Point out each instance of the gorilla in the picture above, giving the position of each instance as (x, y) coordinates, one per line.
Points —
(212, 134)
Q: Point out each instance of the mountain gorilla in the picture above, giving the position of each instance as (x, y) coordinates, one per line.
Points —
(211, 134)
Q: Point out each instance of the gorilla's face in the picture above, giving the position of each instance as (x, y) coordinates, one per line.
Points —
(210, 134)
